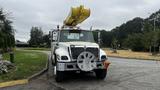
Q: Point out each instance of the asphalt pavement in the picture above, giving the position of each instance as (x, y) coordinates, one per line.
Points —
(123, 74)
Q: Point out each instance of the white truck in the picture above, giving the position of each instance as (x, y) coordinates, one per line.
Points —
(75, 50)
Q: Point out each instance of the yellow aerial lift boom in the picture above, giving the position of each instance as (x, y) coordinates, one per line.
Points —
(76, 16)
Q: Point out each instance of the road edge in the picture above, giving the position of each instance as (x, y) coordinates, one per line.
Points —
(133, 58)
(24, 81)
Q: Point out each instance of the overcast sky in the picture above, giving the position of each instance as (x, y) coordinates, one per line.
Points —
(105, 14)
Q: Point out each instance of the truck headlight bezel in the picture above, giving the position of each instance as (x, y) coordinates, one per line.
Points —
(103, 57)
(64, 58)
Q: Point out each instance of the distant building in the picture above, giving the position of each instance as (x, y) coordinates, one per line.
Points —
(21, 44)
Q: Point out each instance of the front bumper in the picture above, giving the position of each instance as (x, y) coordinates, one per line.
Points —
(72, 66)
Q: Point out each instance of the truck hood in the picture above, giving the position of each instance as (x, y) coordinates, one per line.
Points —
(87, 44)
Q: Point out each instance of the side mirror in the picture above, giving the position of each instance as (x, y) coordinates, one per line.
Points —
(54, 35)
(50, 35)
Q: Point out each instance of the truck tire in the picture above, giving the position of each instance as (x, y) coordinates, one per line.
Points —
(59, 76)
(101, 73)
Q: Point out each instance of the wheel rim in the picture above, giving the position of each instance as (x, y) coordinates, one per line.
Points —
(86, 61)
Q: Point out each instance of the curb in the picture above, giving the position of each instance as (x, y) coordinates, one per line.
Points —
(40, 72)
(24, 81)
(13, 83)
(133, 58)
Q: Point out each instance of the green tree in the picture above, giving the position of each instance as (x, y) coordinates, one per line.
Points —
(134, 42)
(7, 39)
(114, 45)
(130, 27)
(36, 36)
(46, 40)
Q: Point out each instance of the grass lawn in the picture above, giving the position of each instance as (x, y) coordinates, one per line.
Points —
(131, 54)
(30, 48)
(27, 63)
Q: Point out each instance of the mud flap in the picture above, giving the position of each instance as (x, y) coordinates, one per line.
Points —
(106, 64)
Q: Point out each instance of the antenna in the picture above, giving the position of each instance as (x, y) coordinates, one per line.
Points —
(91, 28)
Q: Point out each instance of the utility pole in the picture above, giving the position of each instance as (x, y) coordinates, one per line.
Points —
(154, 46)
(155, 19)
(154, 29)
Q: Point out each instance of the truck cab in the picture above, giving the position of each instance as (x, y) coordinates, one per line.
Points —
(76, 50)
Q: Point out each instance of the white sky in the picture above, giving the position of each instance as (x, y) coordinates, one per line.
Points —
(105, 14)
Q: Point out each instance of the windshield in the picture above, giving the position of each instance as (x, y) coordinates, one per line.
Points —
(76, 35)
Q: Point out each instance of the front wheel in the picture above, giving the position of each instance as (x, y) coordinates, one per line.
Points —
(59, 76)
(101, 73)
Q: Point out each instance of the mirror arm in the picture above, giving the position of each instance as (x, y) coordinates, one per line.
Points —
(99, 38)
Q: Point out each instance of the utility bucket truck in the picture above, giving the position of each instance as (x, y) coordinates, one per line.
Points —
(74, 50)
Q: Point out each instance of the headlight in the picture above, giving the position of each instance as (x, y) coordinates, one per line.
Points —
(103, 57)
(64, 58)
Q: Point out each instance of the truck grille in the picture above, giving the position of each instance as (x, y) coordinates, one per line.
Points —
(75, 51)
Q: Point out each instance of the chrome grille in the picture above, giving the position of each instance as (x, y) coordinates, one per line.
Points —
(93, 50)
(75, 51)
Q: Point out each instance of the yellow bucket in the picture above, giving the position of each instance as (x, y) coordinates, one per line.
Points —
(76, 16)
